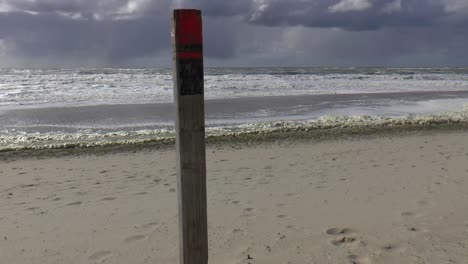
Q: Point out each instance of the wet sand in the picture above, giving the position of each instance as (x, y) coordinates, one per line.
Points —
(395, 198)
(232, 111)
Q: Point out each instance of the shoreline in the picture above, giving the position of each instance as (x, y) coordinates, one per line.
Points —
(248, 138)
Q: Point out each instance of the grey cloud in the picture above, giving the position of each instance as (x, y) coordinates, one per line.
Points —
(350, 14)
(73, 42)
(239, 32)
(71, 6)
(49, 35)
(115, 31)
(112, 9)
(350, 5)
(300, 46)
(220, 8)
(86, 9)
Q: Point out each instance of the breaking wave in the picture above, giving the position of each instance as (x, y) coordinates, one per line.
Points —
(38, 141)
(77, 87)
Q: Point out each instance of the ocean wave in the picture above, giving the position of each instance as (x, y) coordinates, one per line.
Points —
(37, 141)
(74, 87)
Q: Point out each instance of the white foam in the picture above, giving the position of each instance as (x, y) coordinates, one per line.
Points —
(42, 88)
(25, 141)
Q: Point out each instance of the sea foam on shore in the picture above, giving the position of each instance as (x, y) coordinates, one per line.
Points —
(37, 141)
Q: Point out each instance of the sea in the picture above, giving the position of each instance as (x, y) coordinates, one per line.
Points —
(59, 108)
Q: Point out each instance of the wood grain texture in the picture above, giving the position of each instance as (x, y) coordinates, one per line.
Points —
(191, 154)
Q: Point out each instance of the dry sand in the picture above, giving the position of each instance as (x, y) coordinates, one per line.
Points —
(379, 199)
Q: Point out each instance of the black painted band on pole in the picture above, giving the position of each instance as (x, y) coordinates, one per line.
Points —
(187, 44)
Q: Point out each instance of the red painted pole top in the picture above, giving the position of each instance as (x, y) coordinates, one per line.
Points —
(188, 27)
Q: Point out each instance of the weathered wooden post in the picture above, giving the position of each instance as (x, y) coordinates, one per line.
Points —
(190, 135)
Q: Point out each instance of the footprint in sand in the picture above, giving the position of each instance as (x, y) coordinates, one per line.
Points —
(343, 240)
(408, 214)
(134, 238)
(100, 256)
(248, 210)
(74, 203)
(339, 231)
(345, 232)
(29, 185)
(355, 259)
(108, 199)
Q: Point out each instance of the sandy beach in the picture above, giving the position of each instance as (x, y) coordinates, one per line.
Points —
(393, 198)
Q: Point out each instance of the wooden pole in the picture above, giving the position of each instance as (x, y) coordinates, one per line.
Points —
(190, 135)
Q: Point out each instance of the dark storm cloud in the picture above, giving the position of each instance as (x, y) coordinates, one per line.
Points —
(123, 31)
(351, 14)
(51, 35)
(273, 32)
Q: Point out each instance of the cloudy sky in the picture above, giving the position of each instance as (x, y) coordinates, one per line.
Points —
(135, 33)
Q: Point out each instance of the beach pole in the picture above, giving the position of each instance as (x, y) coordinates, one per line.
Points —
(190, 135)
